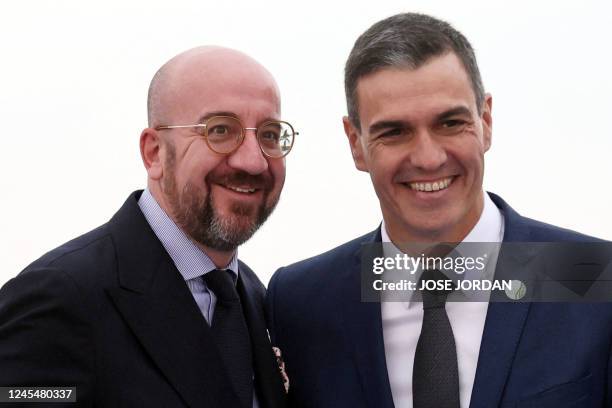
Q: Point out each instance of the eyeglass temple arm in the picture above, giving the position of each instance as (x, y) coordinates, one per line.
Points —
(179, 126)
(200, 125)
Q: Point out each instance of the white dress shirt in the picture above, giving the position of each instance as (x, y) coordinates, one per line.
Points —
(402, 323)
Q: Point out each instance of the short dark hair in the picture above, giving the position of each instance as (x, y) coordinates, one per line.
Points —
(406, 40)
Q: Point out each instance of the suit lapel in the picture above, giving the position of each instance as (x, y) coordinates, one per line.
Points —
(156, 304)
(504, 322)
(363, 326)
(170, 327)
(267, 377)
(502, 332)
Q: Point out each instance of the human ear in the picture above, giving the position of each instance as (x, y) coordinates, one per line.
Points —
(487, 121)
(150, 144)
(353, 135)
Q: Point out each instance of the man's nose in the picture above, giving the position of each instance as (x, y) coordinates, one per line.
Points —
(249, 157)
(426, 152)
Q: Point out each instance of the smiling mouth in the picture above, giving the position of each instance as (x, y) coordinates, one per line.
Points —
(240, 189)
(431, 186)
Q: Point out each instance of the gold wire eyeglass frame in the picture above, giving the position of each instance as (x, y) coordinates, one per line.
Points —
(242, 133)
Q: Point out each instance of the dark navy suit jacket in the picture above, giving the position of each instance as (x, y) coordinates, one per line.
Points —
(532, 354)
(110, 314)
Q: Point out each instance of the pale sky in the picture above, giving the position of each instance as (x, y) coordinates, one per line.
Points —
(74, 77)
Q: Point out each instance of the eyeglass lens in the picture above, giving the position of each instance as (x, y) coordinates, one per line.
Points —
(225, 134)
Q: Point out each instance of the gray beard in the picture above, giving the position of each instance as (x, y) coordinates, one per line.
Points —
(203, 224)
(201, 221)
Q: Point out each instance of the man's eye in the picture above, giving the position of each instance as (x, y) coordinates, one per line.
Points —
(452, 123)
(219, 130)
(270, 136)
(452, 127)
(391, 133)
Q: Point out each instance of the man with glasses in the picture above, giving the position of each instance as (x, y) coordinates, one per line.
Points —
(419, 122)
(154, 308)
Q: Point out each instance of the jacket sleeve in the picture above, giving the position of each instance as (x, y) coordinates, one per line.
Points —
(45, 335)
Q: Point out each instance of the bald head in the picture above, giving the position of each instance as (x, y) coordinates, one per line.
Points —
(200, 68)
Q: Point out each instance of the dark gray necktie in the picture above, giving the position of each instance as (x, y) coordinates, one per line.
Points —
(435, 378)
(231, 334)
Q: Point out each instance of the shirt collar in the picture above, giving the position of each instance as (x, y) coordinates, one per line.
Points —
(490, 225)
(189, 259)
(489, 229)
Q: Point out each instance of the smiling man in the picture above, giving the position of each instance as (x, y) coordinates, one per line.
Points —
(154, 308)
(422, 134)
(420, 123)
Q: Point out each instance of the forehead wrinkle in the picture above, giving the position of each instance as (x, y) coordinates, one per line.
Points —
(411, 119)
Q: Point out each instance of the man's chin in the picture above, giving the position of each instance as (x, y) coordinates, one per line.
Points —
(426, 226)
(227, 233)
(231, 223)
(240, 225)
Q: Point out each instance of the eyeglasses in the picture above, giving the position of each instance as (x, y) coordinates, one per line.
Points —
(224, 134)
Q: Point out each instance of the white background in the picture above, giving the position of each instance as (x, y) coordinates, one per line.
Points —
(74, 78)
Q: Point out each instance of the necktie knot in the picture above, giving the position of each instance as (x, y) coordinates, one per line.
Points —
(436, 288)
(222, 284)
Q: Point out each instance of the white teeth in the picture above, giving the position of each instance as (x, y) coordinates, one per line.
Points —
(435, 186)
(242, 190)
